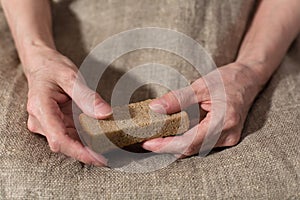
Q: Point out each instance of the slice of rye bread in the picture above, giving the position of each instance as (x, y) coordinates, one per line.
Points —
(130, 124)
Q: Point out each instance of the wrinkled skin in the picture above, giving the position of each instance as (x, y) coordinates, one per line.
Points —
(52, 78)
(50, 105)
(240, 90)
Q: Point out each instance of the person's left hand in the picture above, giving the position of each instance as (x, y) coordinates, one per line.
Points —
(241, 87)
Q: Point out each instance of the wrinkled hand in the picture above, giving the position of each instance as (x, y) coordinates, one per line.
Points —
(240, 87)
(51, 78)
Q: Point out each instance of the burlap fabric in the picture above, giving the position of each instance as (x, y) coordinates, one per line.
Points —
(264, 165)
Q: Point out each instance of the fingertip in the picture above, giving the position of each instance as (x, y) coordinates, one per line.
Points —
(100, 160)
(179, 156)
(91, 103)
(152, 144)
(159, 106)
(103, 110)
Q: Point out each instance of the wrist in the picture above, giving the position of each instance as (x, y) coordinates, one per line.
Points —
(30, 46)
(254, 78)
(261, 70)
(33, 55)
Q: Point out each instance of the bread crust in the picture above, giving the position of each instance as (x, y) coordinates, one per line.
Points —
(130, 124)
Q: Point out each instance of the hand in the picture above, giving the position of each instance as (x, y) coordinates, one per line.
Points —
(241, 88)
(51, 78)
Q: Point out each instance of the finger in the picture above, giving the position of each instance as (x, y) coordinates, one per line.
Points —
(34, 125)
(174, 101)
(76, 150)
(87, 100)
(70, 112)
(69, 122)
(73, 148)
(90, 102)
(72, 133)
(186, 144)
(177, 100)
(51, 120)
(229, 138)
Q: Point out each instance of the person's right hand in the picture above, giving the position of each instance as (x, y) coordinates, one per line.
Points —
(51, 79)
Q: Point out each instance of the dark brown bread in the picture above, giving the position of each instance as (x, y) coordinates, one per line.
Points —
(130, 124)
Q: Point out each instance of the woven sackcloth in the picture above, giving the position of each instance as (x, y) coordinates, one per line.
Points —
(264, 165)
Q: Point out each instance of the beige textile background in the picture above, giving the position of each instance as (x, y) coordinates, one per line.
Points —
(264, 165)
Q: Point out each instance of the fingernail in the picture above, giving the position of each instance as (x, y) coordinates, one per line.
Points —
(103, 110)
(159, 106)
(98, 157)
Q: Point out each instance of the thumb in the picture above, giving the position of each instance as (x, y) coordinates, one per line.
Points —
(177, 100)
(174, 101)
(90, 102)
(86, 99)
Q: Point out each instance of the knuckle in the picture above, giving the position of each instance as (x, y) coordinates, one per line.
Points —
(70, 82)
(200, 88)
(54, 145)
(32, 105)
(183, 97)
(69, 75)
(72, 77)
(66, 60)
(31, 126)
(30, 108)
(231, 140)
